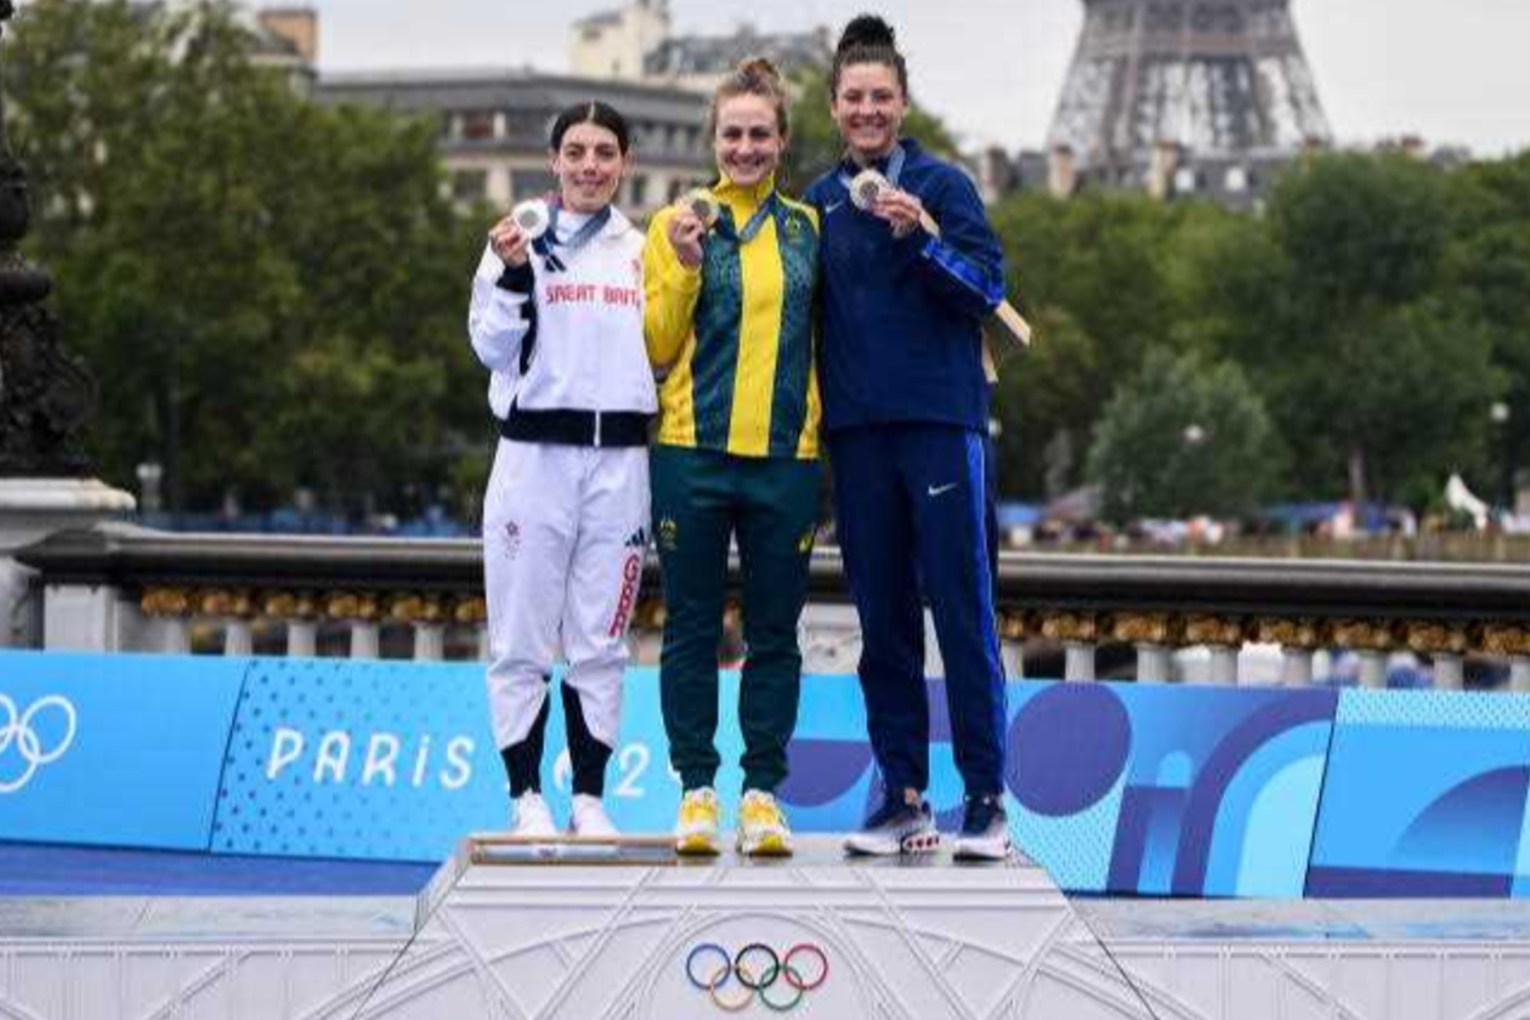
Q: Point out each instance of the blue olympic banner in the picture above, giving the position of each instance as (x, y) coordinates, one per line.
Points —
(1120, 788)
(1426, 796)
(1112, 787)
(364, 760)
(121, 750)
(395, 761)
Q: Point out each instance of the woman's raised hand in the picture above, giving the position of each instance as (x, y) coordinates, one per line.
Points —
(509, 243)
(685, 233)
(899, 208)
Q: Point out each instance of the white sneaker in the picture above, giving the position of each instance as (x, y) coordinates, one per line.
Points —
(589, 817)
(532, 816)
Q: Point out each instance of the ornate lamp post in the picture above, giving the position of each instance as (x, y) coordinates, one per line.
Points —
(45, 393)
(45, 397)
(1501, 413)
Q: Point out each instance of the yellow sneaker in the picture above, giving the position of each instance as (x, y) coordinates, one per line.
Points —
(762, 828)
(696, 829)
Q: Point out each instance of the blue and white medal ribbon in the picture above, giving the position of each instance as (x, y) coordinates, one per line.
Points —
(756, 222)
(584, 235)
(892, 174)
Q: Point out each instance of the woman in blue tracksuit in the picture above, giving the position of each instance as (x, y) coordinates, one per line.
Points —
(905, 410)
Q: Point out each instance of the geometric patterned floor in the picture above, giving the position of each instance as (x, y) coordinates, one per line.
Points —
(921, 942)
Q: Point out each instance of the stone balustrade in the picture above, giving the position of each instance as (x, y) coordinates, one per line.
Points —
(121, 588)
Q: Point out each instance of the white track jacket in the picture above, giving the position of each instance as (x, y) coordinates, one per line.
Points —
(577, 343)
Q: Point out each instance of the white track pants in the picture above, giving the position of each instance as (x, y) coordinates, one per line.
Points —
(564, 534)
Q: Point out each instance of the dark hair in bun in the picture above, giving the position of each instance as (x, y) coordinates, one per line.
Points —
(868, 40)
(597, 113)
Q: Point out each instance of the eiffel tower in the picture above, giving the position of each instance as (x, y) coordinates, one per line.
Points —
(1160, 87)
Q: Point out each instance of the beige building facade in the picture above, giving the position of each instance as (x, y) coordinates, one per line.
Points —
(494, 127)
(635, 42)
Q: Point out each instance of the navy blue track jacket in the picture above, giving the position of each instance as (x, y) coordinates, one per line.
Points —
(901, 338)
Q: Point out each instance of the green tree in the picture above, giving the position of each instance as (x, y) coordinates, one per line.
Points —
(1362, 238)
(1379, 307)
(269, 290)
(1096, 276)
(1184, 437)
(1487, 276)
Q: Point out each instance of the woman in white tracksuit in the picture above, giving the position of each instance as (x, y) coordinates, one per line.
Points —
(558, 321)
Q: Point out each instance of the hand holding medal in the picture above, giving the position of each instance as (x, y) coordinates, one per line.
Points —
(700, 204)
(511, 237)
(871, 192)
(874, 193)
(695, 213)
(536, 219)
(533, 217)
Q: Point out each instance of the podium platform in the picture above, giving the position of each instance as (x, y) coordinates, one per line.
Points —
(922, 939)
(508, 940)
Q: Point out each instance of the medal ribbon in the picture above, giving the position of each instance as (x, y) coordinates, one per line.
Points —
(583, 236)
(892, 173)
(757, 221)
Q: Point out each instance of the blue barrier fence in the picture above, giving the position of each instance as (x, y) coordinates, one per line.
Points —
(1151, 790)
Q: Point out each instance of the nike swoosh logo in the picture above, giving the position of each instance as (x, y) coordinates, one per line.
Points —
(941, 491)
(830, 208)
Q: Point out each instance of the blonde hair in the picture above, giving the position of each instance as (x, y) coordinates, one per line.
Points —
(754, 76)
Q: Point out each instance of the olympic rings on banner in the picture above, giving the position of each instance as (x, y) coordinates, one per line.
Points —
(769, 978)
(796, 987)
(722, 954)
(823, 966)
(716, 968)
(739, 1003)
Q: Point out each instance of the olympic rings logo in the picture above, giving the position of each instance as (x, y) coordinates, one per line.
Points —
(756, 984)
(16, 728)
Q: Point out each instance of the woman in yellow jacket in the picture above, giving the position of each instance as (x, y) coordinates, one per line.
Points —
(729, 314)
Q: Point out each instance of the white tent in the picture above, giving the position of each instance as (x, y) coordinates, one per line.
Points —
(1459, 497)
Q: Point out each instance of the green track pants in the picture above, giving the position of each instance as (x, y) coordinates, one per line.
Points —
(701, 499)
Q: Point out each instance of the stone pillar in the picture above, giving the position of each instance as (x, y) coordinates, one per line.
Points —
(30, 510)
(830, 638)
(1297, 671)
(1223, 636)
(1154, 664)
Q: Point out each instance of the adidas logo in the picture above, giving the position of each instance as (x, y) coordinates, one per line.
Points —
(638, 539)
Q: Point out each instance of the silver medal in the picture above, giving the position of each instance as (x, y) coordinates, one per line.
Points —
(531, 218)
(866, 188)
(702, 205)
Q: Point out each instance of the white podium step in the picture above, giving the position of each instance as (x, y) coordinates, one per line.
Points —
(611, 941)
(918, 940)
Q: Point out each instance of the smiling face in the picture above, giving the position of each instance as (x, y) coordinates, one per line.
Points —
(748, 142)
(589, 166)
(869, 107)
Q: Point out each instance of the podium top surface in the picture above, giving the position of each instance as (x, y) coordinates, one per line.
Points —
(489, 849)
(151, 919)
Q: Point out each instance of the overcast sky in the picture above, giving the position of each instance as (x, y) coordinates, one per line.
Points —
(1455, 72)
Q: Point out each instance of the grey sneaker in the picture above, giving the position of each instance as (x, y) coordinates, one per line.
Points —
(899, 826)
(985, 830)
